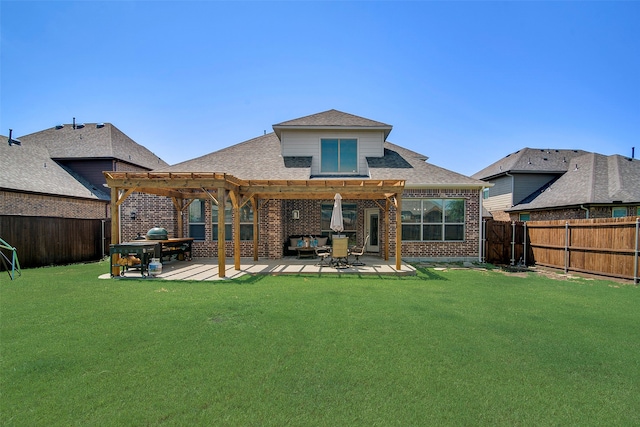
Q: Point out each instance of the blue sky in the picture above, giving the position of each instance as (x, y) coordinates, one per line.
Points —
(464, 83)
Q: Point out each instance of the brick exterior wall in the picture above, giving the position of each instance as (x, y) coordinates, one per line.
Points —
(466, 250)
(15, 203)
(151, 211)
(276, 225)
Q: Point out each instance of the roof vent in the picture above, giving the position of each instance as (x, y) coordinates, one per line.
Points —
(80, 126)
(12, 141)
(59, 126)
(100, 125)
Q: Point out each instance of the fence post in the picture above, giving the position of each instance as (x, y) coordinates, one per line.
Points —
(635, 258)
(566, 247)
(483, 246)
(513, 243)
(524, 253)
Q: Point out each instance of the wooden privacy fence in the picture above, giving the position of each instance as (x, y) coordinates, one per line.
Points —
(41, 241)
(604, 246)
(607, 246)
(505, 243)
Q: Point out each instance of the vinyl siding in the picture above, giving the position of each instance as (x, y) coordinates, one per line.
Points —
(497, 203)
(526, 184)
(307, 143)
(501, 186)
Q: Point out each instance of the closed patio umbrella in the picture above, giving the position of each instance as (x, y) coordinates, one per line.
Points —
(337, 223)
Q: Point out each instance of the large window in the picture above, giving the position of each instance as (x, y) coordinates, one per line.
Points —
(339, 155)
(433, 219)
(349, 220)
(196, 220)
(246, 222)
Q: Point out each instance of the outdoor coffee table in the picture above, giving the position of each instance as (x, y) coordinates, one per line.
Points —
(305, 252)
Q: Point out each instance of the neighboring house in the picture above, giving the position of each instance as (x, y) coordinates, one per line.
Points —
(545, 184)
(58, 172)
(289, 177)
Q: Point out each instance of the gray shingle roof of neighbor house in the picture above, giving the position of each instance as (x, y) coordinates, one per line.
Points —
(531, 160)
(93, 140)
(260, 159)
(332, 119)
(591, 179)
(29, 168)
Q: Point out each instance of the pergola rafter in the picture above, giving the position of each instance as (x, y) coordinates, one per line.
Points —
(184, 187)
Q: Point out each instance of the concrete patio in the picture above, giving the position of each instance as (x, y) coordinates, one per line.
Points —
(200, 269)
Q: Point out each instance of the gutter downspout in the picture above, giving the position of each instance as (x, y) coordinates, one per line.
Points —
(586, 210)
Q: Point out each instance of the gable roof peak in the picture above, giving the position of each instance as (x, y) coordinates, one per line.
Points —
(332, 119)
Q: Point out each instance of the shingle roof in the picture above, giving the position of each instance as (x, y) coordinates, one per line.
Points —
(260, 158)
(93, 141)
(531, 160)
(29, 168)
(331, 119)
(257, 158)
(399, 162)
(591, 179)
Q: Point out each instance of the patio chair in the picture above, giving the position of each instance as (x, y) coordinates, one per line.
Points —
(340, 252)
(324, 254)
(359, 251)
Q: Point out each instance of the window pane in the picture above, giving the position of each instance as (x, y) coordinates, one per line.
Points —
(433, 211)
(246, 232)
(410, 232)
(524, 217)
(454, 232)
(329, 155)
(228, 219)
(619, 212)
(411, 211)
(196, 231)
(349, 216)
(227, 232)
(432, 232)
(454, 211)
(325, 220)
(196, 211)
(246, 213)
(348, 155)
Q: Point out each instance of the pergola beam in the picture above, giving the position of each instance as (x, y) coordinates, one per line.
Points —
(201, 185)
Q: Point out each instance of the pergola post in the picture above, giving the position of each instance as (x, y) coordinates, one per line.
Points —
(235, 203)
(387, 224)
(398, 232)
(256, 230)
(221, 233)
(115, 226)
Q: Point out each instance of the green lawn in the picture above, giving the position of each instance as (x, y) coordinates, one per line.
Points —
(455, 347)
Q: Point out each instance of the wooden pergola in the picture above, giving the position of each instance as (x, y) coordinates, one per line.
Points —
(184, 187)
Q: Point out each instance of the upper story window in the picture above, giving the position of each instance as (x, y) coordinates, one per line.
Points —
(339, 155)
(485, 193)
